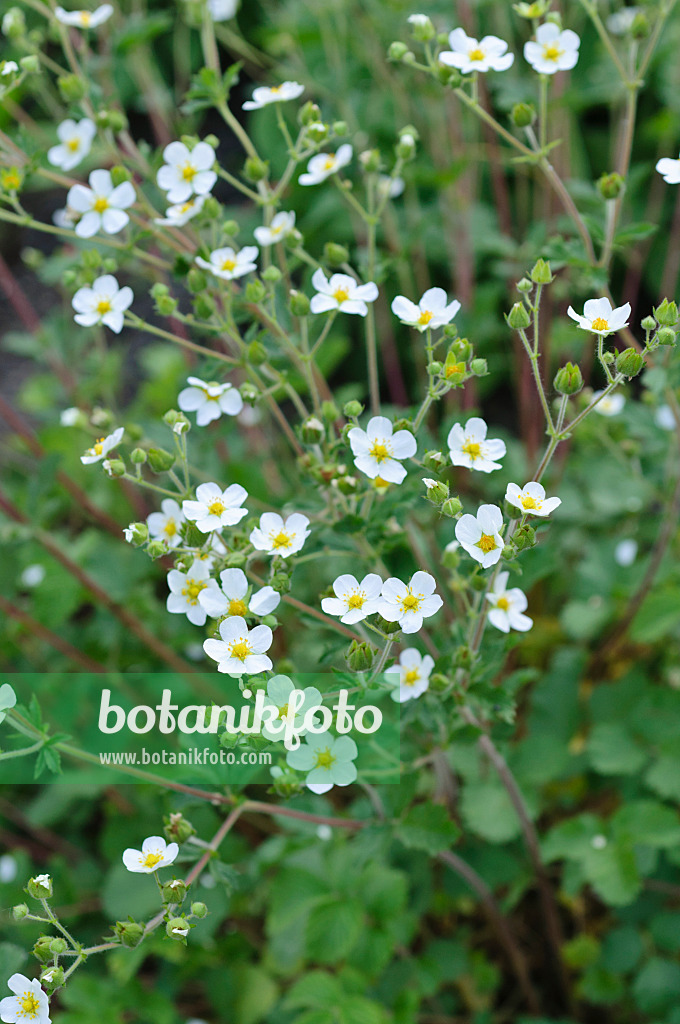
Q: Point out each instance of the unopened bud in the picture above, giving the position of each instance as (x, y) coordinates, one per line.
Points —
(370, 160)
(518, 318)
(14, 23)
(629, 362)
(541, 273)
(312, 430)
(138, 456)
(452, 508)
(666, 313)
(52, 979)
(42, 950)
(255, 169)
(72, 88)
(174, 891)
(479, 367)
(256, 353)
(299, 304)
(40, 887)
(397, 51)
(648, 324)
(525, 286)
(666, 336)
(406, 147)
(359, 656)
(199, 909)
(352, 409)
(128, 933)
(330, 411)
(177, 928)
(272, 275)
(255, 291)
(334, 254)
(437, 490)
(196, 281)
(523, 115)
(31, 63)
(20, 911)
(422, 28)
(177, 828)
(58, 945)
(434, 460)
(610, 186)
(280, 582)
(524, 537)
(568, 380)
(160, 461)
(157, 548)
(640, 27)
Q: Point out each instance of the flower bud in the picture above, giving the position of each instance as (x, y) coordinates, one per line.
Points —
(640, 27)
(352, 409)
(340, 128)
(166, 305)
(248, 392)
(117, 121)
(52, 979)
(317, 131)
(280, 582)
(230, 227)
(236, 559)
(437, 490)
(524, 537)
(523, 115)
(610, 186)
(452, 508)
(299, 304)
(312, 430)
(177, 829)
(359, 656)
(666, 313)
(525, 286)
(422, 28)
(406, 147)
(334, 254)
(138, 456)
(31, 63)
(531, 11)
(272, 275)
(157, 548)
(177, 928)
(256, 353)
(330, 411)
(370, 160)
(137, 534)
(72, 88)
(255, 169)
(518, 318)
(454, 79)
(397, 51)
(14, 23)
(255, 291)
(434, 369)
(41, 949)
(629, 362)
(346, 484)
(666, 336)
(58, 945)
(648, 324)
(129, 933)
(568, 380)
(20, 911)
(434, 460)
(199, 909)
(160, 461)
(479, 367)
(439, 682)
(541, 273)
(40, 887)
(196, 281)
(451, 556)
(174, 891)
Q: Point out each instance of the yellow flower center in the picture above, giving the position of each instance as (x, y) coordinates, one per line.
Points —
(356, 601)
(189, 172)
(380, 451)
(100, 204)
(103, 306)
(11, 180)
(486, 543)
(85, 18)
(455, 368)
(192, 590)
(276, 89)
(425, 317)
(529, 502)
(324, 759)
(240, 649)
(238, 608)
(600, 324)
(281, 539)
(216, 507)
(473, 449)
(340, 295)
(329, 162)
(229, 265)
(380, 484)
(283, 711)
(170, 528)
(29, 1005)
(503, 604)
(412, 602)
(411, 677)
(98, 446)
(477, 54)
(552, 52)
(186, 206)
(73, 144)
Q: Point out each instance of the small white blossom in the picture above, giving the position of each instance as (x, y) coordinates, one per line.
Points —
(65, 218)
(329, 760)
(185, 590)
(215, 508)
(9, 67)
(279, 538)
(553, 50)
(101, 448)
(608, 405)
(669, 170)
(598, 842)
(353, 600)
(389, 186)
(240, 651)
(620, 22)
(84, 19)
(154, 854)
(71, 417)
(165, 525)
(599, 317)
(181, 213)
(209, 400)
(8, 868)
(279, 689)
(408, 604)
(101, 206)
(28, 1003)
(625, 552)
(434, 310)
(186, 172)
(470, 447)
(222, 10)
(466, 54)
(75, 141)
(341, 293)
(104, 303)
(411, 677)
(531, 498)
(378, 452)
(508, 606)
(232, 599)
(323, 165)
(480, 534)
(282, 225)
(33, 575)
(263, 96)
(664, 418)
(229, 264)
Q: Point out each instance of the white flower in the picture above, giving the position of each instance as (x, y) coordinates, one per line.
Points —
(29, 1002)
(621, 21)
(9, 67)
(212, 551)
(180, 214)
(33, 575)
(323, 165)
(377, 451)
(553, 50)
(8, 699)
(84, 19)
(598, 842)
(209, 400)
(411, 677)
(185, 590)
(664, 418)
(215, 508)
(101, 448)
(389, 186)
(65, 218)
(103, 303)
(408, 604)
(531, 498)
(353, 600)
(329, 760)
(432, 311)
(279, 689)
(186, 172)
(508, 606)
(341, 293)
(8, 868)
(75, 141)
(228, 264)
(282, 225)
(470, 447)
(222, 10)
(468, 55)
(165, 525)
(154, 854)
(279, 538)
(319, 787)
(625, 552)
(600, 318)
(263, 96)
(240, 651)
(609, 405)
(101, 206)
(480, 535)
(669, 170)
(70, 417)
(231, 599)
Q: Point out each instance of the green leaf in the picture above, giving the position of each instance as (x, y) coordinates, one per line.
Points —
(316, 990)
(664, 776)
(657, 986)
(332, 930)
(612, 750)
(658, 616)
(255, 994)
(427, 827)
(487, 811)
(647, 823)
(635, 233)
